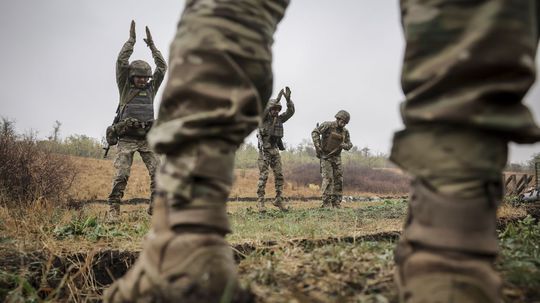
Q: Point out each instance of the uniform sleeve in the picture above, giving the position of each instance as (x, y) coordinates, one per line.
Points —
(289, 112)
(122, 64)
(161, 69)
(347, 145)
(316, 134)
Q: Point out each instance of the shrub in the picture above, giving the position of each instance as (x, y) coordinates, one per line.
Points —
(357, 178)
(28, 173)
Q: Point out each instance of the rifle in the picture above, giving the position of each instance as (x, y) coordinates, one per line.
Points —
(115, 120)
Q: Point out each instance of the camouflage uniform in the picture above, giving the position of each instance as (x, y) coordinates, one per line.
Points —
(330, 139)
(270, 136)
(137, 115)
(467, 66)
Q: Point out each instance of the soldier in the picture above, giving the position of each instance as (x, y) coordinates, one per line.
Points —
(270, 137)
(138, 87)
(467, 66)
(329, 139)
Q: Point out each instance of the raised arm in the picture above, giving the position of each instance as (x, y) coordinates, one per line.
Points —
(161, 65)
(122, 63)
(290, 106)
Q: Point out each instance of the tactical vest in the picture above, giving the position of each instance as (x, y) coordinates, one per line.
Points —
(331, 142)
(271, 132)
(141, 107)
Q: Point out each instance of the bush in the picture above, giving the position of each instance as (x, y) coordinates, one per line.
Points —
(28, 173)
(356, 177)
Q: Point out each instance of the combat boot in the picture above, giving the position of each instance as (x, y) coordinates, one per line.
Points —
(278, 202)
(183, 264)
(114, 210)
(447, 249)
(336, 201)
(260, 205)
(326, 202)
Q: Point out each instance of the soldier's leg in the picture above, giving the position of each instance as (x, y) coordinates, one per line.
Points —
(277, 169)
(337, 169)
(151, 161)
(220, 75)
(467, 66)
(263, 163)
(327, 186)
(122, 165)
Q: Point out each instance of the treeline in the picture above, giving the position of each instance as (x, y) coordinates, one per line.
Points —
(304, 154)
(247, 155)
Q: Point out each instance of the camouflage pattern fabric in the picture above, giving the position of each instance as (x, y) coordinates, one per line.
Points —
(481, 112)
(130, 131)
(220, 81)
(322, 135)
(330, 154)
(332, 181)
(452, 44)
(270, 134)
(125, 87)
(122, 164)
(271, 128)
(269, 158)
(467, 66)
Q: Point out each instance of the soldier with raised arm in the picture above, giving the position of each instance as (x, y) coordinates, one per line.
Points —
(467, 66)
(138, 87)
(270, 137)
(329, 139)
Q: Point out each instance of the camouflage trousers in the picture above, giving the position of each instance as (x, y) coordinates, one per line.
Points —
(269, 158)
(332, 181)
(220, 79)
(122, 163)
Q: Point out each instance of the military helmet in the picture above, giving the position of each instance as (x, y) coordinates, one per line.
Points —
(343, 115)
(274, 103)
(140, 68)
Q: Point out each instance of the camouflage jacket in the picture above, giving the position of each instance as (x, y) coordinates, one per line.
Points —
(271, 131)
(330, 139)
(126, 89)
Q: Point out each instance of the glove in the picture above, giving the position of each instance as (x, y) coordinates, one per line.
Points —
(132, 31)
(287, 93)
(149, 41)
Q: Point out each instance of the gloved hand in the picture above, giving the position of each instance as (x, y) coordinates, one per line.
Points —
(149, 41)
(287, 93)
(132, 35)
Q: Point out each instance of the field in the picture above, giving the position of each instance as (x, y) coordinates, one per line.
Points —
(69, 252)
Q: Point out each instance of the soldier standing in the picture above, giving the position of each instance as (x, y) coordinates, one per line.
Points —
(329, 139)
(467, 66)
(270, 137)
(138, 87)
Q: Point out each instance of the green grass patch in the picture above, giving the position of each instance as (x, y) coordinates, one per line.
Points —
(520, 258)
(248, 224)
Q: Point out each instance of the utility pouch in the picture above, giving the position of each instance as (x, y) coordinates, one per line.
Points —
(111, 136)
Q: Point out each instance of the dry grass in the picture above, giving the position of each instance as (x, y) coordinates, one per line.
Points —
(95, 180)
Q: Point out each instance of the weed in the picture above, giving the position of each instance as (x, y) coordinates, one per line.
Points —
(520, 257)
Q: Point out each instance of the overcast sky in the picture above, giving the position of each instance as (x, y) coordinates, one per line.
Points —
(59, 64)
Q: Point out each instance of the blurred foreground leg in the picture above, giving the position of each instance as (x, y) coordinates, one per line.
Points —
(220, 72)
(467, 66)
